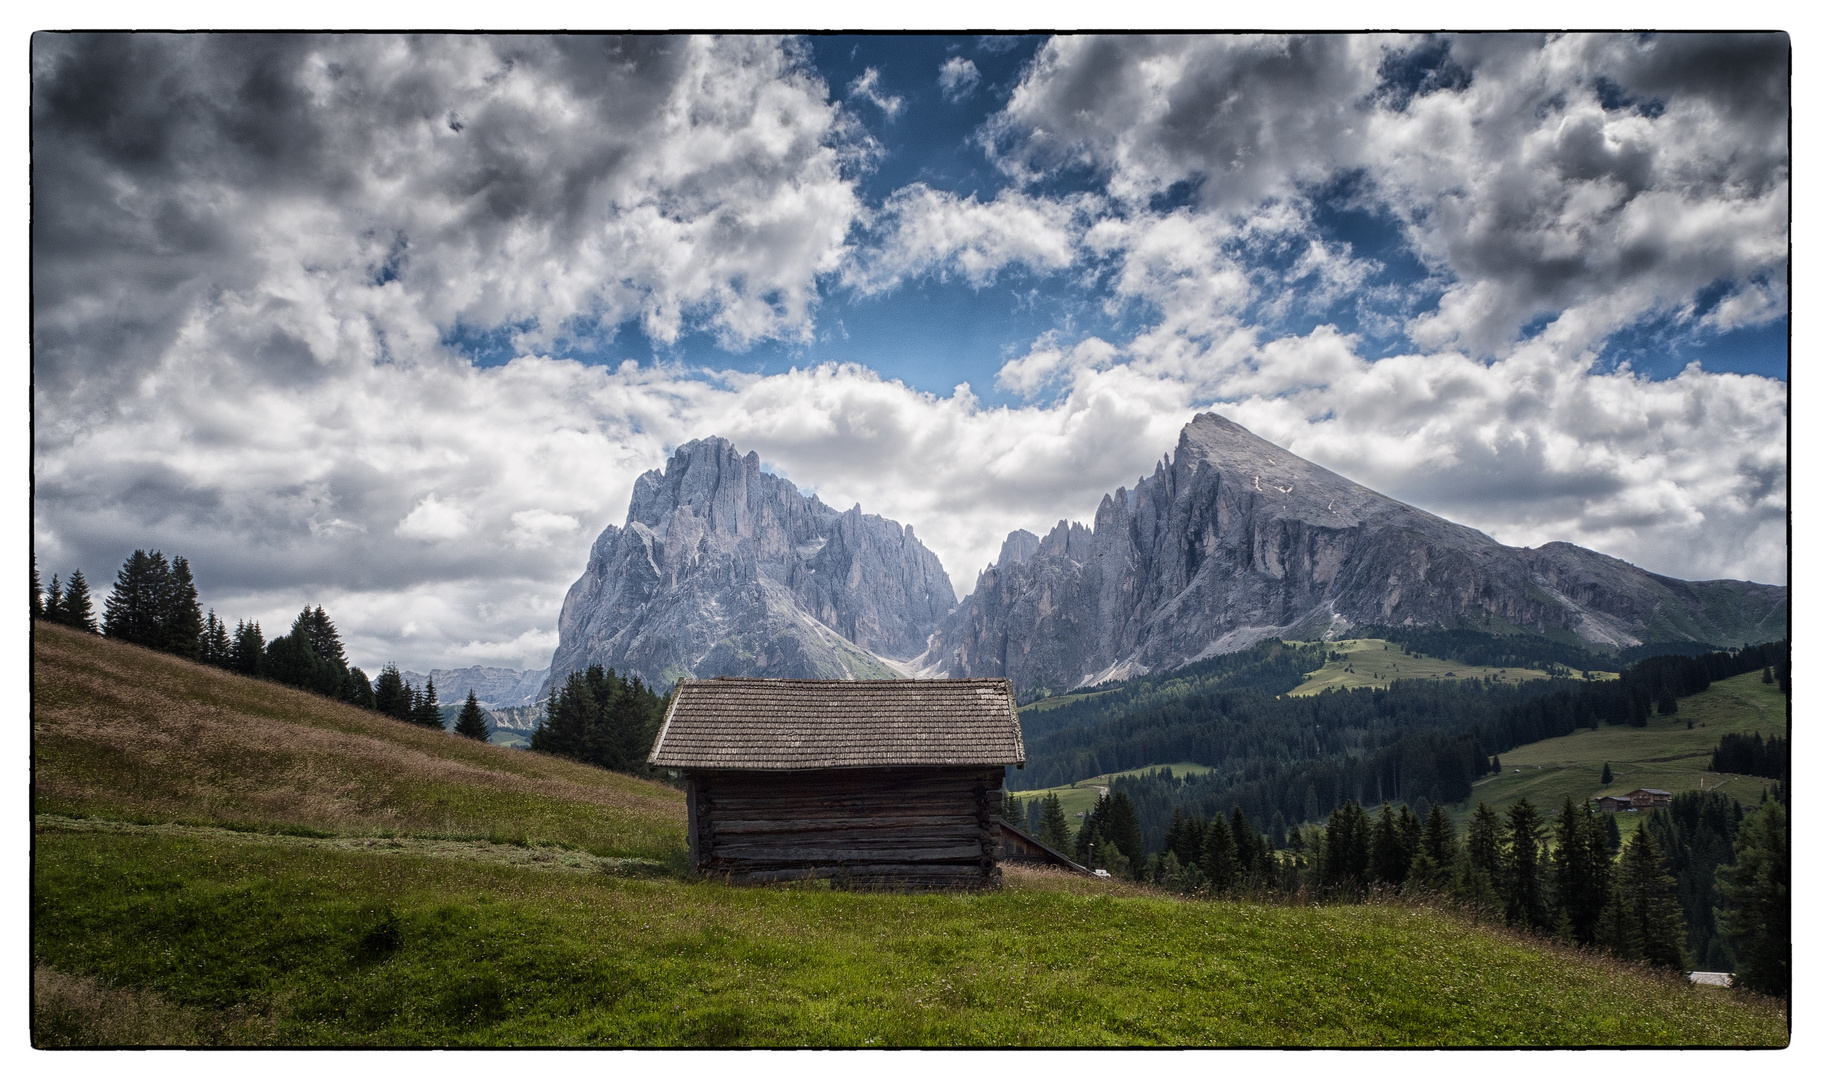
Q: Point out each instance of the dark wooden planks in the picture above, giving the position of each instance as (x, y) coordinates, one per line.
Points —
(903, 827)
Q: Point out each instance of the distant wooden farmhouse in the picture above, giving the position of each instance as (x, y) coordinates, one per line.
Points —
(1646, 797)
(886, 783)
(1612, 804)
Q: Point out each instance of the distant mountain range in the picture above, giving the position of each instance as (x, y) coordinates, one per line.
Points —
(494, 687)
(722, 569)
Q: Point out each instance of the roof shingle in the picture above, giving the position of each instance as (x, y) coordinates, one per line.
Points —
(731, 723)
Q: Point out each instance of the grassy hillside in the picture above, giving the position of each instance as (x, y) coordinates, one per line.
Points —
(1667, 754)
(1376, 662)
(1079, 797)
(218, 860)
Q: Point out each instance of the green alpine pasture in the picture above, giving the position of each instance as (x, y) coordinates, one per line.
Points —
(1667, 754)
(1376, 662)
(223, 861)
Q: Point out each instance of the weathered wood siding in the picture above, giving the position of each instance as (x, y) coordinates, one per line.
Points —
(924, 827)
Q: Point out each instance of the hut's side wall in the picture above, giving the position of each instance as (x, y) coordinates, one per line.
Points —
(886, 828)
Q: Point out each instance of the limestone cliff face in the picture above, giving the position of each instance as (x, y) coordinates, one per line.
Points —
(722, 569)
(1235, 539)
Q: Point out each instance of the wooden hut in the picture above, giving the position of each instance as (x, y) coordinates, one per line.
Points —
(886, 783)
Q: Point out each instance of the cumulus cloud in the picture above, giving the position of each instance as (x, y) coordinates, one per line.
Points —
(1584, 180)
(927, 231)
(957, 78)
(866, 88)
(304, 202)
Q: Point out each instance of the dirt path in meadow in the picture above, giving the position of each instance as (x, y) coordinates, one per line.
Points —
(533, 856)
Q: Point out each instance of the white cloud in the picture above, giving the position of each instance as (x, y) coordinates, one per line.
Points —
(934, 232)
(866, 88)
(957, 78)
(434, 519)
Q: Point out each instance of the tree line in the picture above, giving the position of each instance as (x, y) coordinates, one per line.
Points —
(1702, 881)
(602, 718)
(155, 604)
(1299, 758)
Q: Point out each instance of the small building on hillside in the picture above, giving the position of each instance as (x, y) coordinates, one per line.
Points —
(1645, 798)
(879, 783)
(1023, 848)
(1612, 804)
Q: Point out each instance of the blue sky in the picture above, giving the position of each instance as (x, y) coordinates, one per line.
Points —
(347, 320)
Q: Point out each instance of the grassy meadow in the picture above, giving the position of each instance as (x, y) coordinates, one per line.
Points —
(1667, 754)
(1376, 662)
(222, 861)
(1079, 797)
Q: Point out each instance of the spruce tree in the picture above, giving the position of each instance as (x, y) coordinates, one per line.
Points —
(1580, 876)
(390, 695)
(360, 690)
(425, 711)
(472, 722)
(53, 600)
(1523, 893)
(136, 610)
(1756, 920)
(1121, 828)
(1643, 920)
(1439, 841)
(1388, 863)
(247, 654)
(77, 609)
(38, 601)
(1606, 773)
(1248, 848)
(1347, 848)
(324, 640)
(1054, 829)
(181, 612)
(1219, 859)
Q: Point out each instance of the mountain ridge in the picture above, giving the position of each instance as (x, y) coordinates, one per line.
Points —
(1233, 540)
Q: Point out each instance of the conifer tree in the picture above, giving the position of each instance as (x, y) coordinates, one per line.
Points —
(77, 609)
(1523, 894)
(1219, 859)
(1054, 829)
(1347, 848)
(217, 647)
(425, 710)
(1439, 841)
(390, 695)
(1606, 773)
(472, 722)
(38, 602)
(140, 602)
(53, 600)
(1756, 920)
(1387, 862)
(325, 641)
(360, 690)
(181, 612)
(1643, 920)
(1121, 828)
(1248, 848)
(247, 654)
(1580, 873)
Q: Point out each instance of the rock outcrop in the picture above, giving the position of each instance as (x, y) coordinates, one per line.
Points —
(722, 569)
(1235, 539)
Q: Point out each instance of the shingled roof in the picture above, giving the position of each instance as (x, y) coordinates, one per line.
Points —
(777, 724)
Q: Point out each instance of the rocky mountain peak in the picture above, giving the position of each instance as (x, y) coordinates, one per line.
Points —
(724, 569)
(1235, 539)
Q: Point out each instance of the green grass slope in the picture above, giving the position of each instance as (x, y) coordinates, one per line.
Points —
(218, 860)
(1376, 662)
(1667, 754)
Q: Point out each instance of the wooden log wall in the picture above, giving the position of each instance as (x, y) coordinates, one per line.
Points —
(893, 828)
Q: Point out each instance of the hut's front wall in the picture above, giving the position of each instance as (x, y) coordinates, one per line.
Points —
(888, 827)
